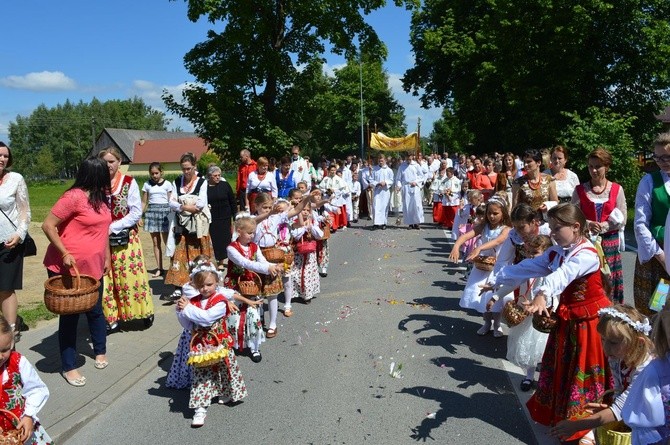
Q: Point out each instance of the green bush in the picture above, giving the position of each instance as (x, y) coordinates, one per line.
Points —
(609, 130)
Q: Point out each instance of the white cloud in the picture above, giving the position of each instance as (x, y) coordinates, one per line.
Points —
(329, 70)
(152, 93)
(42, 81)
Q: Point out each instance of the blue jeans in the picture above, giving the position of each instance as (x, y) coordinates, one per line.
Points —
(67, 332)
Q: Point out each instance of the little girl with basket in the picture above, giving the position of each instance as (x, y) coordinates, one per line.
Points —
(305, 273)
(216, 372)
(245, 262)
(23, 392)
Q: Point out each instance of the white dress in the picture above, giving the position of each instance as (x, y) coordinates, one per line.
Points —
(525, 344)
(471, 298)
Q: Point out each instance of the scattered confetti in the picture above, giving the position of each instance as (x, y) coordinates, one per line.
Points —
(430, 416)
(395, 371)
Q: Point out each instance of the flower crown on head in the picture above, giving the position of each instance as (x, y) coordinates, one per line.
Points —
(640, 326)
(204, 266)
(497, 200)
(280, 200)
(242, 215)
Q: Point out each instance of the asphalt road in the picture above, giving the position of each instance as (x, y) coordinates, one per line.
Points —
(391, 297)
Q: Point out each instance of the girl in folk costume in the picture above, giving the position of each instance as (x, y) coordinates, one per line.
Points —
(493, 232)
(647, 408)
(652, 205)
(23, 391)
(574, 368)
(335, 187)
(180, 375)
(466, 214)
(305, 275)
(525, 344)
(624, 333)
(273, 233)
(320, 215)
(604, 205)
(451, 191)
(244, 260)
(190, 225)
(216, 372)
(127, 295)
(437, 190)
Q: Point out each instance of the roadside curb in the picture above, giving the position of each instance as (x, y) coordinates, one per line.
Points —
(65, 428)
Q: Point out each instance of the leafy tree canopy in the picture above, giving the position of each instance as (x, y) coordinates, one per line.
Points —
(508, 70)
(63, 135)
(243, 69)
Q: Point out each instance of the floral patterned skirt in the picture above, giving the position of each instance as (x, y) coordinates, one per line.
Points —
(180, 375)
(574, 372)
(188, 247)
(610, 244)
(305, 276)
(126, 291)
(223, 380)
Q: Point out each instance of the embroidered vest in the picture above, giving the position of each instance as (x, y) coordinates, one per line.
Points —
(660, 204)
(284, 185)
(120, 200)
(11, 398)
(589, 207)
(236, 272)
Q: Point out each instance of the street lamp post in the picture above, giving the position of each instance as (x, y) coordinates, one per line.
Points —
(360, 71)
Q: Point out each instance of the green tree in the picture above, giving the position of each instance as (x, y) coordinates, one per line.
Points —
(509, 69)
(611, 131)
(67, 130)
(242, 70)
(449, 134)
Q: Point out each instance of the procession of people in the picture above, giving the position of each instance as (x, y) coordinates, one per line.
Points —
(540, 259)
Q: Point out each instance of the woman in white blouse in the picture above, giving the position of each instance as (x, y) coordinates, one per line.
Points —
(260, 181)
(652, 202)
(14, 224)
(565, 179)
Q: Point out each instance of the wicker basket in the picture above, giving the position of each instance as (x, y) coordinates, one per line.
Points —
(326, 231)
(484, 263)
(273, 254)
(544, 323)
(251, 288)
(65, 294)
(10, 436)
(513, 313)
(204, 355)
(289, 257)
(305, 247)
(614, 433)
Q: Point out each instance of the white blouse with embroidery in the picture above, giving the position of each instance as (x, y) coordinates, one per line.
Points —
(16, 205)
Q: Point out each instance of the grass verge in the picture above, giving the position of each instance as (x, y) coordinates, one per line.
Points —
(33, 313)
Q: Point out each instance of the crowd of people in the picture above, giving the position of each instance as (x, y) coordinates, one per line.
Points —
(542, 249)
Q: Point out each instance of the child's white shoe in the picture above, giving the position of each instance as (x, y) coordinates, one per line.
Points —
(199, 418)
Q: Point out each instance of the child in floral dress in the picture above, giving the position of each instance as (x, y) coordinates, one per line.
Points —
(216, 372)
(305, 274)
(245, 259)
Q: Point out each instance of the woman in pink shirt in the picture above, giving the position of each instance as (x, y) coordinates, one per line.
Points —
(77, 228)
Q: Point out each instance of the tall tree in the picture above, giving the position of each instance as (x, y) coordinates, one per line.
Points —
(65, 132)
(242, 70)
(509, 69)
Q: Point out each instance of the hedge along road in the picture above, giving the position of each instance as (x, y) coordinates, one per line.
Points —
(332, 373)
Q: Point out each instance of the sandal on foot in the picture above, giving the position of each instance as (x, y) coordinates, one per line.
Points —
(79, 381)
(157, 274)
(100, 364)
(271, 333)
(288, 312)
(526, 385)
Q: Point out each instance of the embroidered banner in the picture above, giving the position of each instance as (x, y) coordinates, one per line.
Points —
(380, 141)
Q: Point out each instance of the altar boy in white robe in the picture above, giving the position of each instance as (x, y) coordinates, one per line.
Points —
(382, 181)
(411, 181)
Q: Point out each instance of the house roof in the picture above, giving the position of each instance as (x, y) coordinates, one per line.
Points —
(125, 139)
(167, 150)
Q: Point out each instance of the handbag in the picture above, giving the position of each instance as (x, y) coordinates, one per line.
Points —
(119, 239)
(29, 246)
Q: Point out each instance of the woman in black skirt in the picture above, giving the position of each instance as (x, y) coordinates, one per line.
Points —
(14, 222)
(221, 199)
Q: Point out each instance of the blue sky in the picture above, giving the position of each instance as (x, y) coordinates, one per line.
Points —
(80, 49)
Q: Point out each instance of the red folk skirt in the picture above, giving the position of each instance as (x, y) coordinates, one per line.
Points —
(574, 368)
(437, 212)
(448, 216)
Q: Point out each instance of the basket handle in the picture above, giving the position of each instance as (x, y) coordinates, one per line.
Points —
(255, 276)
(77, 278)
